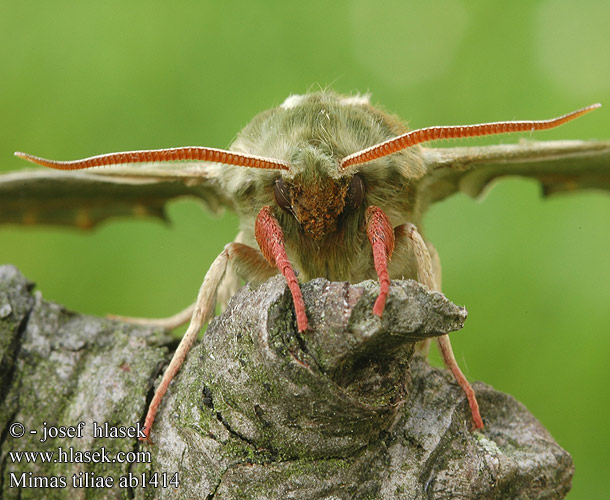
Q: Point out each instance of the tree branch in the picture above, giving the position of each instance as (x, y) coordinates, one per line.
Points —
(346, 410)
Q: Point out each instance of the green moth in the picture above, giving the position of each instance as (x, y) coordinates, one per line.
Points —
(324, 185)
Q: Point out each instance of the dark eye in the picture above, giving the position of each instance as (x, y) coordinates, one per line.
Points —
(281, 195)
(355, 192)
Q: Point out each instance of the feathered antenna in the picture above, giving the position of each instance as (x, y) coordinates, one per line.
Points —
(456, 132)
(194, 153)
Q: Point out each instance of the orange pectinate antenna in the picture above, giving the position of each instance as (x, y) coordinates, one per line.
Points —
(456, 132)
(194, 153)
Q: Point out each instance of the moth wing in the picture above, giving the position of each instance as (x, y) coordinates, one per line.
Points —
(559, 166)
(86, 198)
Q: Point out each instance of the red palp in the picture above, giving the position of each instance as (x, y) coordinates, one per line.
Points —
(270, 238)
(381, 235)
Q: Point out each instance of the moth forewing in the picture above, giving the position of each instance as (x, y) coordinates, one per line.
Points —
(327, 186)
(559, 166)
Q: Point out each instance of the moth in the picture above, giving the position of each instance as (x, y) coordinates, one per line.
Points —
(324, 185)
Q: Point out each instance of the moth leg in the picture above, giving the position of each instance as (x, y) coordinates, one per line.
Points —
(247, 262)
(168, 323)
(381, 236)
(424, 346)
(436, 265)
(426, 275)
(227, 288)
(444, 345)
(203, 310)
(407, 261)
(231, 281)
(270, 239)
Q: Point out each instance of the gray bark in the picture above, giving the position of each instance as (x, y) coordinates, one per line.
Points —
(346, 410)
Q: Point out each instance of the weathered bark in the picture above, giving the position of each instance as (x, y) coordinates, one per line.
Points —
(346, 410)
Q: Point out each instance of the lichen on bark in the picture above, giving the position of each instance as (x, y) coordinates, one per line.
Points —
(345, 410)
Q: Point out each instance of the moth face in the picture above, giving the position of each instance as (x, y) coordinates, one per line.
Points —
(319, 206)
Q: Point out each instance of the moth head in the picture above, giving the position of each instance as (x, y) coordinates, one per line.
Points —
(326, 181)
(314, 177)
(316, 193)
(319, 207)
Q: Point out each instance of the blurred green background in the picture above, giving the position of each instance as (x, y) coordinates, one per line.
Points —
(82, 78)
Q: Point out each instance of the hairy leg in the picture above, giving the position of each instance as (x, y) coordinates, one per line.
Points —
(240, 256)
(168, 323)
(426, 274)
(228, 286)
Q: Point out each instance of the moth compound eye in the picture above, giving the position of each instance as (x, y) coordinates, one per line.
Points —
(355, 192)
(281, 195)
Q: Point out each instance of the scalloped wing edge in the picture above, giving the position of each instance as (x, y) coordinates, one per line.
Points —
(559, 166)
(85, 199)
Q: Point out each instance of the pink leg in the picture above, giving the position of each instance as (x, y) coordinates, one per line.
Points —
(204, 309)
(425, 275)
(381, 235)
(445, 347)
(166, 323)
(270, 239)
(246, 259)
